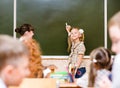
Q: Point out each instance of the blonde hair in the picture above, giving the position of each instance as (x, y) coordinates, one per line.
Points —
(115, 20)
(35, 60)
(70, 41)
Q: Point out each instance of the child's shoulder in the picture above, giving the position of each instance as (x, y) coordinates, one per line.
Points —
(81, 43)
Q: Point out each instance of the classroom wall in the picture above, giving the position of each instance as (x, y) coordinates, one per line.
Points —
(62, 62)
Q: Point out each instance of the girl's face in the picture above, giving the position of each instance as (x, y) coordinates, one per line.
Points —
(29, 34)
(114, 33)
(75, 34)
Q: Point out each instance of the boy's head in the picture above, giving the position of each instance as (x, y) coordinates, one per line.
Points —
(114, 32)
(13, 61)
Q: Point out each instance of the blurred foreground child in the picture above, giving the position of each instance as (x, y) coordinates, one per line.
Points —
(13, 62)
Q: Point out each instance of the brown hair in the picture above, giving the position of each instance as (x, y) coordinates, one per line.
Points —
(115, 20)
(23, 28)
(101, 58)
(35, 60)
(10, 50)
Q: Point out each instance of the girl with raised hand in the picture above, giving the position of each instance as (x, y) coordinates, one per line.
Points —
(77, 50)
(75, 45)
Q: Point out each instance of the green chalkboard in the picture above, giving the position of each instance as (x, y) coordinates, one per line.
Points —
(6, 17)
(49, 17)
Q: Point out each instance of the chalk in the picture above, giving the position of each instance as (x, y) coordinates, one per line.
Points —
(66, 24)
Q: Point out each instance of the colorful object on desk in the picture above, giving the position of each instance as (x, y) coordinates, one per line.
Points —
(70, 78)
(71, 68)
(62, 77)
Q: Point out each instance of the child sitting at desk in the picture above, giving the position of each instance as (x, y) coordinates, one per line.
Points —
(13, 61)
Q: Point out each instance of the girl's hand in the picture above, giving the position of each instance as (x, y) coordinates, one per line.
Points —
(68, 27)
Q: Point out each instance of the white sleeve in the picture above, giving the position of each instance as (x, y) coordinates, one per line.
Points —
(116, 72)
